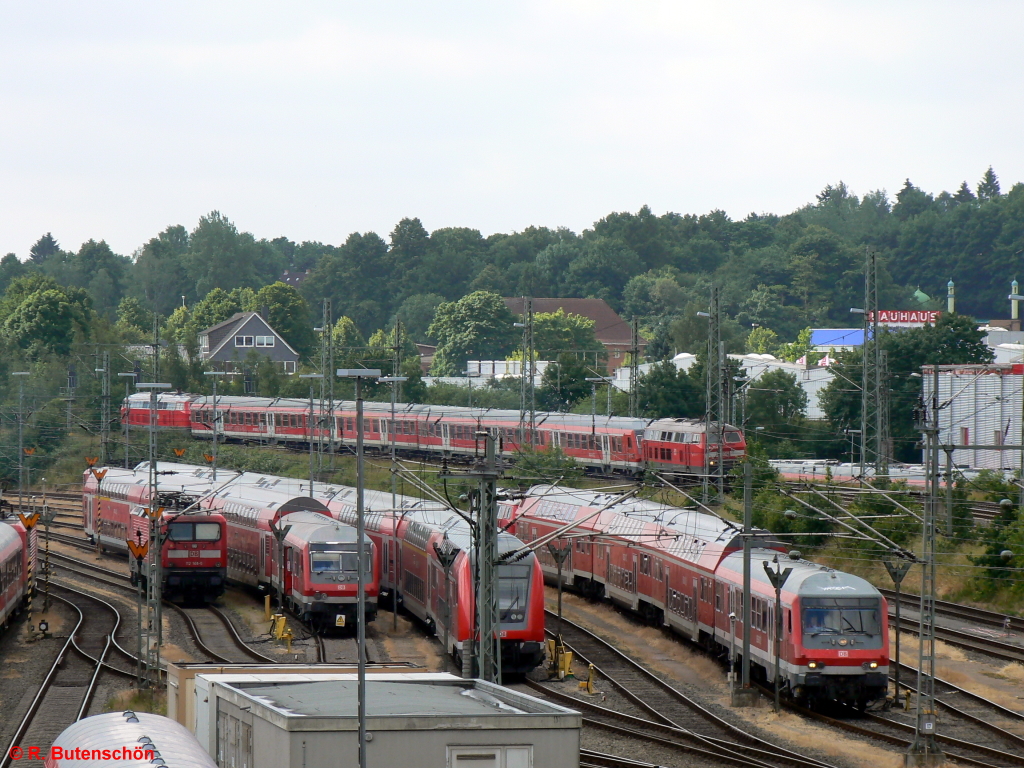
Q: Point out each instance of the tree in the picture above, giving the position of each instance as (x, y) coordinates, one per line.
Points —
(44, 322)
(668, 392)
(349, 344)
(288, 314)
(417, 313)
(219, 256)
(601, 271)
(476, 327)
(988, 187)
(563, 384)
(762, 341)
(131, 314)
(911, 202)
(159, 276)
(557, 332)
(354, 277)
(10, 269)
(775, 400)
(964, 194)
(44, 248)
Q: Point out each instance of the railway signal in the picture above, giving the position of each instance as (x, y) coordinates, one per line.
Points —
(560, 554)
(778, 578)
(897, 572)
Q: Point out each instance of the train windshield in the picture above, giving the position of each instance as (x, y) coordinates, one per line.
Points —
(330, 561)
(513, 591)
(841, 616)
(193, 531)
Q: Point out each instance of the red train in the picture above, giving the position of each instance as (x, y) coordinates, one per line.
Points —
(608, 445)
(319, 553)
(408, 569)
(17, 548)
(194, 553)
(683, 569)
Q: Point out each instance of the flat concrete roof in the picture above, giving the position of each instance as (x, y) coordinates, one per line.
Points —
(305, 701)
(337, 698)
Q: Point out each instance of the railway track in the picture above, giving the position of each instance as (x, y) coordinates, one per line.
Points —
(211, 630)
(961, 639)
(69, 685)
(961, 612)
(676, 719)
(981, 511)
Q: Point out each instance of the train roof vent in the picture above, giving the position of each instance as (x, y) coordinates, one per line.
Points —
(129, 716)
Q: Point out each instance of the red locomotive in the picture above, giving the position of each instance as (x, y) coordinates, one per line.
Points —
(608, 445)
(17, 548)
(683, 569)
(194, 553)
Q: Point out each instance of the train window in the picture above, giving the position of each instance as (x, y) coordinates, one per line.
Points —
(207, 532)
(733, 437)
(838, 615)
(718, 598)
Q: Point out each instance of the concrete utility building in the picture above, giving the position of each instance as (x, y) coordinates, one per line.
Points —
(413, 719)
(982, 408)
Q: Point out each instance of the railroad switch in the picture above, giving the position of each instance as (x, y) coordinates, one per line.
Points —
(278, 625)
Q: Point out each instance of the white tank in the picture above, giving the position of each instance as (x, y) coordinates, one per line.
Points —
(167, 741)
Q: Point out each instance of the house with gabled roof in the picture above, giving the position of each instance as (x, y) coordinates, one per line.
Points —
(226, 345)
(611, 330)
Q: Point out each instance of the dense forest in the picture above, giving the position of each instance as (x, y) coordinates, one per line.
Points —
(61, 310)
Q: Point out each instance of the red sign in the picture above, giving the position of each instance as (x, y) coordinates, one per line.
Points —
(905, 317)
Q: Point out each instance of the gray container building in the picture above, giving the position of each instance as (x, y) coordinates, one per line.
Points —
(426, 720)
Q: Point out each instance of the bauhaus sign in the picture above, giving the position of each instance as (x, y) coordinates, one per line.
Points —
(905, 317)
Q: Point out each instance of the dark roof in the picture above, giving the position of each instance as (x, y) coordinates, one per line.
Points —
(225, 323)
(217, 335)
(293, 278)
(608, 326)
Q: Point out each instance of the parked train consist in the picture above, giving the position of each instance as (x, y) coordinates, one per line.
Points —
(403, 531)
(603, 444)
(17, 548)
(319, 553)
(194, 554)
(683, 569)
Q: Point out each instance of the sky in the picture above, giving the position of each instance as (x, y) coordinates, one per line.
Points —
(316, 119)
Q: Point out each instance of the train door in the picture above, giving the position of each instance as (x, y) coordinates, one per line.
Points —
(446, 441)
(695, 615)
(667, 574)
(606, 450)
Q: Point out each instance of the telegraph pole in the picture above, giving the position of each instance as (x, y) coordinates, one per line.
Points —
(484, 505)
(527, 395)
(151, 631)
(745, 696)
(105, 410)
(312, 422)
(21, 435)
(216, 422)
(925, 751)
(359, 374)
(897, 573)
(714, 413)
(634, 369)
(128, 412)
(875, 449)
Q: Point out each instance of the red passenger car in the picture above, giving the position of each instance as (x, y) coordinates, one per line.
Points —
(682, 569)
(17, 547)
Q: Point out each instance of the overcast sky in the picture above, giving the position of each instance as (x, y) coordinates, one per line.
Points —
(316, 119)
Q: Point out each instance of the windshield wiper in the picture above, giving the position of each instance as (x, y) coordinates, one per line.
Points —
(826, 631)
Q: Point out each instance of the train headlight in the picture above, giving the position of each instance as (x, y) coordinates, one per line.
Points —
(814, 665)
(873, 665)
(320, 595)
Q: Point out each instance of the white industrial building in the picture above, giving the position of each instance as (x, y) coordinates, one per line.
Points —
(413, 719)
(980, 405)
